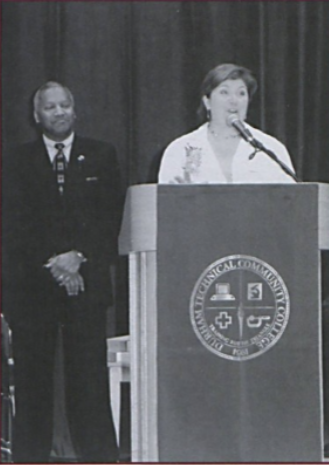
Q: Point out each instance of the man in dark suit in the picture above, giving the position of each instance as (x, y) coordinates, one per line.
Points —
(61, 210)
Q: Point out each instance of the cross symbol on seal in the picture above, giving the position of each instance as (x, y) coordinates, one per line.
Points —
(223, 320)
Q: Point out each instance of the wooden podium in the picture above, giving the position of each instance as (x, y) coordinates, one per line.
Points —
(225, 321)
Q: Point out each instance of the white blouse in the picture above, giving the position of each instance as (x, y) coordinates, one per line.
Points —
(193, 154)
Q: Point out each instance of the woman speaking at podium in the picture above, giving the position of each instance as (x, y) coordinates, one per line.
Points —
(225, 149)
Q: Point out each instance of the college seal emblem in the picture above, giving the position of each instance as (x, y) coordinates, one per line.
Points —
(239, 307)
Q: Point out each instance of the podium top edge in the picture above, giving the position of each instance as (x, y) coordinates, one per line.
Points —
(139, 226)
(290, 186)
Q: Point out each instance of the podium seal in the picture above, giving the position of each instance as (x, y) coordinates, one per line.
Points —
(239, 307)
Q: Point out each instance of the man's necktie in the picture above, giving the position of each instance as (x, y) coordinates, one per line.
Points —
(59, 167)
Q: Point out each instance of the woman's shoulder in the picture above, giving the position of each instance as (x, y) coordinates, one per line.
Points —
(273, 144)
(174, 157)
(264, 137)
(193, 138)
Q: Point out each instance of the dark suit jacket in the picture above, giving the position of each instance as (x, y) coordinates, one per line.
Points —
(38, 223)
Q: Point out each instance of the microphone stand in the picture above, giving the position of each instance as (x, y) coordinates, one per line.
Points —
(260, 147)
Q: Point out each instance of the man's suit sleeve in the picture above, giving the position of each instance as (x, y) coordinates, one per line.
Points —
(97, 233)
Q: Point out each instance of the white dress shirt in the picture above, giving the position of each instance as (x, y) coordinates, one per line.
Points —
(51, 149)
(193, 152)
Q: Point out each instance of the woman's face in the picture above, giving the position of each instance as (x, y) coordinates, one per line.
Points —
(229, 97)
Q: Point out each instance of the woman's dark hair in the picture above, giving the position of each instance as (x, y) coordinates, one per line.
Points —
(220, 74)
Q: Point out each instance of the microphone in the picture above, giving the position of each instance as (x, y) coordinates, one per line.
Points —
(234, 121)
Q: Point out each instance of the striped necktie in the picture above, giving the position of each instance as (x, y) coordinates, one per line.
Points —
(59, 166)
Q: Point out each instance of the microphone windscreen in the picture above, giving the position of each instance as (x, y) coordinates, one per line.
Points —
(234, 121)
(232, 118)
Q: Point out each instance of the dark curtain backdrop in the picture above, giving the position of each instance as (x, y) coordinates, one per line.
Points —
(135, 69)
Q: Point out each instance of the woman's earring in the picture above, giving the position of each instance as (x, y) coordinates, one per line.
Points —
(208, 114)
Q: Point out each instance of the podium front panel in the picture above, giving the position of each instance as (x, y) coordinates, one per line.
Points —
(229, 388)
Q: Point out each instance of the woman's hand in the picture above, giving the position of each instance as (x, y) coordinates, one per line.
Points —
(185, 179)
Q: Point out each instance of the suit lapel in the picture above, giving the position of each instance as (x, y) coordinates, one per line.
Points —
(77, 154)
(77, 157)
(40, 164)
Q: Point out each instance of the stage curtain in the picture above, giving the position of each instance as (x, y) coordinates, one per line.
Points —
(135, 69)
